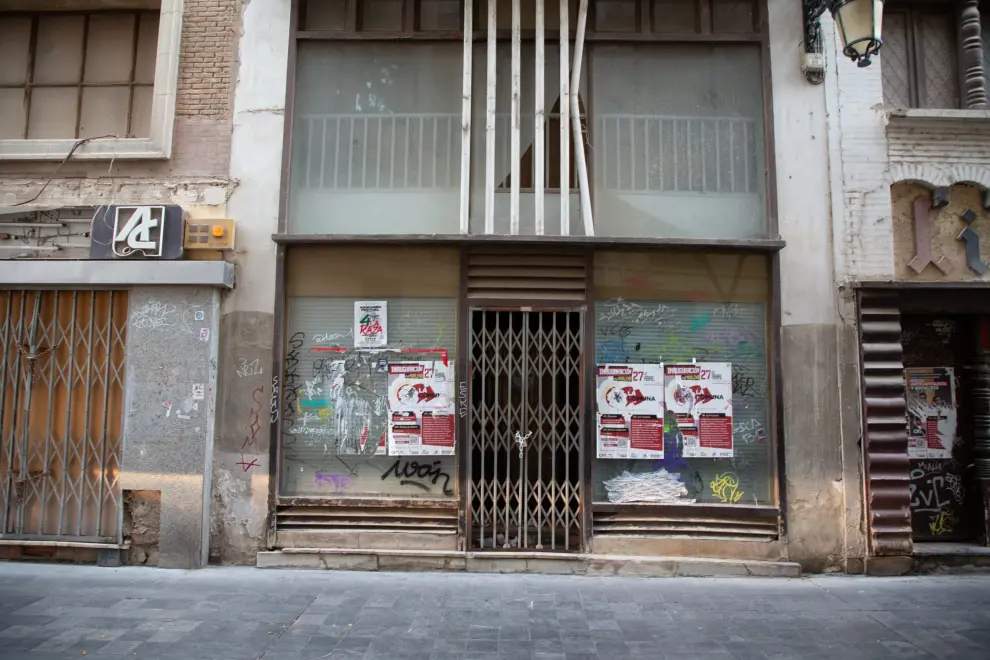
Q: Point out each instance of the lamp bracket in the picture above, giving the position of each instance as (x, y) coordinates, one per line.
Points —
(813, 10)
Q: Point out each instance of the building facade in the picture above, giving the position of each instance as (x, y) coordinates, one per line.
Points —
(497, 300)
(912, 180)
(115, 126)
(540, 304)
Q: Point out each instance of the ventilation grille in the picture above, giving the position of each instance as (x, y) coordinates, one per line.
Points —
(366, 519)
(530, 276)
(885, 424)
(658, 524)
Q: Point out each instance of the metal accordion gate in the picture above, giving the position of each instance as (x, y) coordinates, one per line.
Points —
(61, 414)
(526, 429)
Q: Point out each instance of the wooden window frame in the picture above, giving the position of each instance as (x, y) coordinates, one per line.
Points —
(915, 12)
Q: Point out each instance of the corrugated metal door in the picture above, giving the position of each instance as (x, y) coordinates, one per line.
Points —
(62, 376)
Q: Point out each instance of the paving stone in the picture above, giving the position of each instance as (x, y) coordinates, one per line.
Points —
(235, 613)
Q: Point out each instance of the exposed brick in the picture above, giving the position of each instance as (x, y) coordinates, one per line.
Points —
(206, 58)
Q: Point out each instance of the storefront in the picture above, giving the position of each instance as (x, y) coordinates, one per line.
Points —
(523, 398)
(925, 347)
(487, 346)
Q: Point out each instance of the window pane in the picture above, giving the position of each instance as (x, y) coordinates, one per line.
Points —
(11, 113)
(53, 113)
(377, 138)
(59, 50)
(894, 61)
(15, 40)
(678, 137)
(616, 15)
(666, 308)
(147, 48)
(324, 15)
(110, 50)
(141, 112)
(938, 49)
(675, 16)
(104, 111)
(381, 15)
(440, 15)
(733, 15)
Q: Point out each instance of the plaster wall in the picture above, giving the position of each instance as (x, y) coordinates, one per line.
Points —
(241, 461)
(811, 435)
(170, 388)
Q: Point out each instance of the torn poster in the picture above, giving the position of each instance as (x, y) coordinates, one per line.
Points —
(931, 403)
(700, 396)
(380, 449)
(370, 324)
(630, 410)
(421, 409)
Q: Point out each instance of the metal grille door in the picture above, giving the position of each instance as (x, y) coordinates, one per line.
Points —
(526, 429)
(61, 419)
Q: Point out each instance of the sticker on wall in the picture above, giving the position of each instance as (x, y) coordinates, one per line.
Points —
(204, 334)
(700, 396)
(931, 403)
(630, 410)
(199, 315)
(370, 324)
(198, 392)
(421, 409)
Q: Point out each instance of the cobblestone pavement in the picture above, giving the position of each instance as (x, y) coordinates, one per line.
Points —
(59, 611)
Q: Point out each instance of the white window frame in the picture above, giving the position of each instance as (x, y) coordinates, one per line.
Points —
(156, 147)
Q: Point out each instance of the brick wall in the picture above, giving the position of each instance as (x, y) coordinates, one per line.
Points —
(206, 58)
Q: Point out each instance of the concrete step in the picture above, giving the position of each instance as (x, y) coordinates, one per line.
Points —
(522, 562)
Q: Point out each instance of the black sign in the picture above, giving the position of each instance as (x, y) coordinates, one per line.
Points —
(137, 232)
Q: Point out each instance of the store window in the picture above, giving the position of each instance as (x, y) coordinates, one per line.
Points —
(376, 136)
(678, 136)
(684, 311)
(336, 388)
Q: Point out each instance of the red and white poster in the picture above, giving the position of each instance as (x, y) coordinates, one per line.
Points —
(931, 404)
(630, 410)
(700, 396)
(421, 409)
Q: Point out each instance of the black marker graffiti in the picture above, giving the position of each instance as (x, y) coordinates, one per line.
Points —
(462, 400)
(413, 470)
(743, 385)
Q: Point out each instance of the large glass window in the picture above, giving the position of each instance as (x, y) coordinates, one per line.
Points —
(678, 141)
(376, 138)
(668, 308)
(335, 395)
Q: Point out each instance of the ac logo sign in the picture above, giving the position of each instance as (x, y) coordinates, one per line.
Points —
(138, 229)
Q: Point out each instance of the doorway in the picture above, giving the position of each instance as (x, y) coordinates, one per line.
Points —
(526, 429)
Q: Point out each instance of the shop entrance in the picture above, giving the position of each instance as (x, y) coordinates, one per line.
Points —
(526, 429)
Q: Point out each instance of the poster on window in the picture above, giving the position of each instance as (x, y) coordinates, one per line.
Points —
(700, 396)
(630, 410)
(421, 409)
(931, 403)
(370, 324)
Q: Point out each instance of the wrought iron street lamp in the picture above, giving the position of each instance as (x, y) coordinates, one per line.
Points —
(859, 23)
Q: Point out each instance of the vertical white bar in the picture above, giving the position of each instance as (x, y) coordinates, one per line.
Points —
(539, 148)
(490, 121)
(584, 186)
(565, 129)
(516, 90)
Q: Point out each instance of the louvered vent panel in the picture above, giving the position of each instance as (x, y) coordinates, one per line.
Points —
(657, 524)
(885, 423)
(530, 276)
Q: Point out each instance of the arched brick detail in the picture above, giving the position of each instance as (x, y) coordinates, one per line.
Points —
(934, 176)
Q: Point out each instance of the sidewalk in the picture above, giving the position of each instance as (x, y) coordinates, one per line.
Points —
(58, 611)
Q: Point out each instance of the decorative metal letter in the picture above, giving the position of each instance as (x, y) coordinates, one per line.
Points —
(972, 241)
(923, 238)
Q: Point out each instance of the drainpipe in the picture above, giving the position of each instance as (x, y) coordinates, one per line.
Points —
(580, 157)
